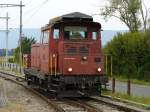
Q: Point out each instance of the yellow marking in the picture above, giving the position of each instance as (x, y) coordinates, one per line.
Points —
(51, 64)
(55, 65)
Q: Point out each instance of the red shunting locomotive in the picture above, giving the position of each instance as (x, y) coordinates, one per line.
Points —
(69, 61)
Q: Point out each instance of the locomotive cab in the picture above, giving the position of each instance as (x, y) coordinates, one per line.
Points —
(81, 49)
(69, 61)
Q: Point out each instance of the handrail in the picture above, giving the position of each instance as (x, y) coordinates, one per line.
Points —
(55, 65)
(51, 64)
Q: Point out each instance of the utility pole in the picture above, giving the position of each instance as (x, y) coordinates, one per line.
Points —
(7, 31)
(7, 37)
(20, 32)
(20, 37)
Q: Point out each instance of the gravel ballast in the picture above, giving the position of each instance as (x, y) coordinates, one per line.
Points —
(21, 100)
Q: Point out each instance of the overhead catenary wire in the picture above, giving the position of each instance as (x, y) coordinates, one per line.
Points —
(31, 12)
(36, 9)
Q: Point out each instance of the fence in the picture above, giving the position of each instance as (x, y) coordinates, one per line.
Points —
(10, 66)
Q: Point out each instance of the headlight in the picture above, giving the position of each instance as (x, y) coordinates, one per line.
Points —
(84, 58)
(69, 69)
(99, 69)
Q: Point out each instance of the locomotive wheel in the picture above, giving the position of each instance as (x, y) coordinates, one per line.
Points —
(28, 82)
(100, 89)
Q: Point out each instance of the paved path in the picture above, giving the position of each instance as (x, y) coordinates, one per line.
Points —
(136, 90)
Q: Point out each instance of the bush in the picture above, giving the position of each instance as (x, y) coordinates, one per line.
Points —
(131, 54)
(11, 60)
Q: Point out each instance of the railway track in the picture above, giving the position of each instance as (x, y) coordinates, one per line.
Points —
(92, 104)
(21, 81)
(60, 105)
(70, 106)
(108, 105)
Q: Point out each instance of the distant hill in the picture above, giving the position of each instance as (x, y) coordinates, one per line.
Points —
(14, 36)
(107, 35)
(3, 52)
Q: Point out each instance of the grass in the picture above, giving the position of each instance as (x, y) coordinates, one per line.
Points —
(134, 81)
(135, 100)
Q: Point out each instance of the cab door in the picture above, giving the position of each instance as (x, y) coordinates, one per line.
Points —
(44, 51)
(54, 55)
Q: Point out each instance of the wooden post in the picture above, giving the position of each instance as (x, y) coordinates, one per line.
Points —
(129, 87)
(111, 69)
(113, 85)
(51, 64)
(106, 65)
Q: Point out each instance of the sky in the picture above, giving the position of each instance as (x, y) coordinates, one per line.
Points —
(37, 13)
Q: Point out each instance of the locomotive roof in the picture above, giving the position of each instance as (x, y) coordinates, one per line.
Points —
(75, 16)
(71, 17)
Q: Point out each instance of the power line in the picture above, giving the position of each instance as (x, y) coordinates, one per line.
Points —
(20, 32)
(31, 12)
(10, 5)
(37, 9)
(7, 31)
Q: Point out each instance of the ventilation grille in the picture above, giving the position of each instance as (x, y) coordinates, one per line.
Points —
(83, 50)
(71, 50)
(76, 50)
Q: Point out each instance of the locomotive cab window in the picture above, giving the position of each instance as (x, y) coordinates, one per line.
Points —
(94, 34)
(75, 32)
(56, 33)
(45, 37)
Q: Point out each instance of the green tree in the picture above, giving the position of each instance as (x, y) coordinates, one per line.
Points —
(131, 55)
(26, 47)
(125, 10)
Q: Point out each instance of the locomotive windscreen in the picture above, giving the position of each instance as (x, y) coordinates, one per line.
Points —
(75, 32)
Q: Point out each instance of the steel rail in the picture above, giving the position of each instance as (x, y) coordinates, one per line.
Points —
(117, 104)
(85, 105)
(19, 81)
(74, 101)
